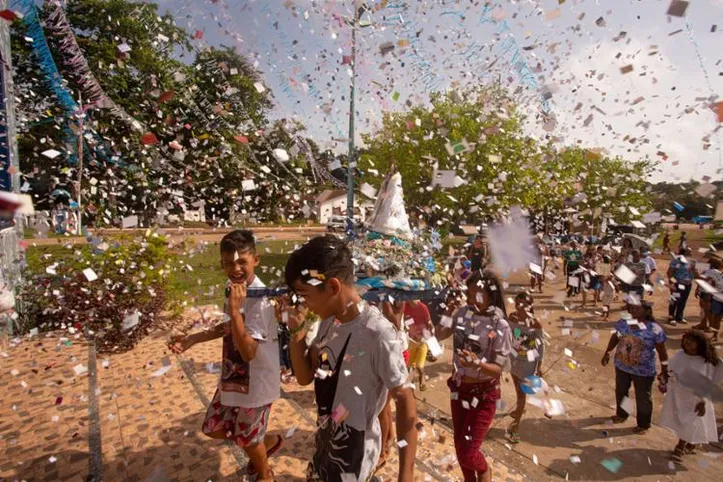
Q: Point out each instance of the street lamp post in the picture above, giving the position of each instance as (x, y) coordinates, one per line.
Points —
(351, 161)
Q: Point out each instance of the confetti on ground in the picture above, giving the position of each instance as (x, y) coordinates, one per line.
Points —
(613, 465)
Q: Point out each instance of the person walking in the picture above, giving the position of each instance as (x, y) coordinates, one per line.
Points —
(690, 416)
(572, 258)
(477, 253)
(680, 278)
(482, 349)
(636, 341)
(528, 351)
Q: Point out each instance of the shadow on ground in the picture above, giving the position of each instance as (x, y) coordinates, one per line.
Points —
(186, 455)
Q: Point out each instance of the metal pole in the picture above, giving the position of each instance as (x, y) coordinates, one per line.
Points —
(351, 162)
(80, 161)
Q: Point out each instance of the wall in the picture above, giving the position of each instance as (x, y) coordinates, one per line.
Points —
(328, 208)
(10, 229)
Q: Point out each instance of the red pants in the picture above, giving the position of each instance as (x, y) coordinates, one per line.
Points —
(472, 423)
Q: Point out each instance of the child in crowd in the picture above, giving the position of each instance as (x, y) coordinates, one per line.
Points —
(687, 411)
(482, 348)
(249, 382)
(394, 312)
(572, 258)
(529, 348)
(608, 293)
(355, 360)
(419, 323)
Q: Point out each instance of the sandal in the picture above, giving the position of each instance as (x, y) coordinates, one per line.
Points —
(640, 430)
(251, 468)
(689, 448)
(380, 465)
(514, 437)
(617, 419)
(422, 387)
(677, 455)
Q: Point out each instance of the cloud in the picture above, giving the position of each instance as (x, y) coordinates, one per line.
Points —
(659, 105)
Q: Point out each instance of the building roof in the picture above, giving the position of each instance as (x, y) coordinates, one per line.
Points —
(329, 194)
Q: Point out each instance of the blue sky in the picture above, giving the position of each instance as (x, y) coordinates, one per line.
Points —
(573, 51)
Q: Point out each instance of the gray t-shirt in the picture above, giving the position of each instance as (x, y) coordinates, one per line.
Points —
(358, 362)
(488, 337)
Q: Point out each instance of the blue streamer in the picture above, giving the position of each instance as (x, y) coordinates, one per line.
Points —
(372, 295)
(54, 79)
(429, 77)
(517, 62)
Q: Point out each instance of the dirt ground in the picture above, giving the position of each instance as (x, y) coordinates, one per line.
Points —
(587, 391)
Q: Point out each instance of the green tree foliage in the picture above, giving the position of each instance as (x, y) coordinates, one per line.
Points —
(502, 167)
(202, 106)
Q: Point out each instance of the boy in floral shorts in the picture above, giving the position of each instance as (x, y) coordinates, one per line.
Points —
(249, 381)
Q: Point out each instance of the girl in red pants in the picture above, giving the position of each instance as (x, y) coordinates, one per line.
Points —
(482, 348)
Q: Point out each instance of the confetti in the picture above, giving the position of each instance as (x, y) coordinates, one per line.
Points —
(90, 274)
(51, 153)
(613, 465)
(162, 371)
(677, 8)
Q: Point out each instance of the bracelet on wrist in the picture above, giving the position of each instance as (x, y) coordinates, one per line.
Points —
(296, 331)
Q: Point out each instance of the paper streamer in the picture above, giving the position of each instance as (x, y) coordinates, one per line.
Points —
(296, 66)
(414, 54)
(54, 79)
(713, 93)
(58, 24)
(517, 62)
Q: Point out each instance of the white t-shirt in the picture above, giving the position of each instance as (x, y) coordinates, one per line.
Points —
(652, 265)
(264, 370)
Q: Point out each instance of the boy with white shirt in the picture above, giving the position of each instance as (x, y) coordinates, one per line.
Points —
(652, 265)
(249, 382)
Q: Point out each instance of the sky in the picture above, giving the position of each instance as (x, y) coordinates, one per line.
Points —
(618, 75)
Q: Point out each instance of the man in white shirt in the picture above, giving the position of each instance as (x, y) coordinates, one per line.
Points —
(652, 266)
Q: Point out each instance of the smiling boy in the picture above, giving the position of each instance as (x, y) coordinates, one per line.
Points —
(249, 382)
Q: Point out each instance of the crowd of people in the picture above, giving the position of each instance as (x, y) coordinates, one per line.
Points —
(359, 356)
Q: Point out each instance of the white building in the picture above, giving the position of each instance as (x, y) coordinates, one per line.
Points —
(332, 202)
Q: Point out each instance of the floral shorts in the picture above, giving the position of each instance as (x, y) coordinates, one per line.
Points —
(243, 426)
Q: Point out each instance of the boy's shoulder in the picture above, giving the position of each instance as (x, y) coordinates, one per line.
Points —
(374, 322)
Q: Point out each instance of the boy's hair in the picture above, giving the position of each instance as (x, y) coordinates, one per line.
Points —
(325, 255)
(240, 240)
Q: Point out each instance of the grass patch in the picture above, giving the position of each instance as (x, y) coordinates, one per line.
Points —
(697, 238)
(199, 279)
(203, 283)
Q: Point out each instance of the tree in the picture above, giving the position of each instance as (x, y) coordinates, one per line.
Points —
(497, 165)
(205, 127)
(497, 155)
